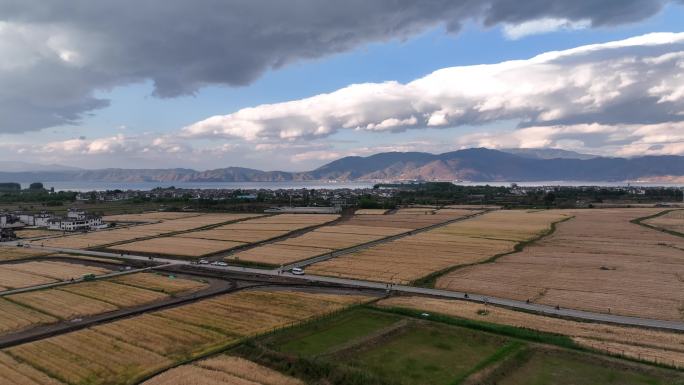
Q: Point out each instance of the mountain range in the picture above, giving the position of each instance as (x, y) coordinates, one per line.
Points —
(475, 164)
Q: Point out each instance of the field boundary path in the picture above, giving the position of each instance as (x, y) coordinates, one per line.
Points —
(363, 246)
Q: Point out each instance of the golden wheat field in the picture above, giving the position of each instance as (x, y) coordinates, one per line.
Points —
(254, 312)
(60, 271)
(673, 221)
(10, 279)
(370, 212)
(159, 282)
(125, 351)
(148, 217)
(641, 342)
(34, 233)
(222, 370)
(62, 304)
(597, 261)
(172, 339)
(114, 293)
(16, 253)
(14, 317)
(88, 298)
(278, 254)
(116, 236)
(179, 246)
(24, 274)
(354, 231)
(86, 356)
(244, 236)
(18, 373)
(412, 257)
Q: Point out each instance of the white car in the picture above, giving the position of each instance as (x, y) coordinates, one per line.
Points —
(203, 262)
(297, 271)
(221, 264)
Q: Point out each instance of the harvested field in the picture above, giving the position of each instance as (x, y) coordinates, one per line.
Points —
(278, 254)
(108, 237)
(673, 221)
(185, 247)
(159, 282)
(598, 261)
(409, 219)
(60, 271)
(355, 231)
(639, 342)
(34, 233)
(413, 257)
(11, 279)
(223, 370)
(370, 212)
(13, 372)
(62, 304)
(329, 240)
(125, 351)
(16, 253)
(245, 236)
(148, 217)
(114, 293)
(15, 317)
(295, 219)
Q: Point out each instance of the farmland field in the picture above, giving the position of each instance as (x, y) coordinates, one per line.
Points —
(409, 353)
(14, 317)
(673, 221)
(148, 217)
(24, 274)
(125, 351)
(370, 212)
(597, 261)
(14, 372)
(638, 343)
(354, 231)
(185, 247)
(33, 233)
(566, 368)
(16, 253)
(159, 282)
(390, 348)
(223, 370)
(472, 240)
(90, 298)
(119, 235)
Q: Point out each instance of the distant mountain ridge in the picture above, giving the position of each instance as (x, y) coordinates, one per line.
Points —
(475, 164)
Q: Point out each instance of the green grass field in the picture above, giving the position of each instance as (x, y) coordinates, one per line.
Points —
(429, 354)
(319, 337)
(563, 368)
(396, 348)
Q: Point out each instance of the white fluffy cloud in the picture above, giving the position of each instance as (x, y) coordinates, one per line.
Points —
(56, 55)
(608, 140)
(637, 81)
(544, 25)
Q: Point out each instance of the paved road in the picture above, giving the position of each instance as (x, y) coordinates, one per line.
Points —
(518, 305)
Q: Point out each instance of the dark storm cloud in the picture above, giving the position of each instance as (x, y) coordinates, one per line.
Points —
(55, 53)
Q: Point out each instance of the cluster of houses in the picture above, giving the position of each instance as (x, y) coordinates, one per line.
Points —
(75, 220)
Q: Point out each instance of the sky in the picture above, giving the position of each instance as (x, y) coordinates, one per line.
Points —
(293, 85)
